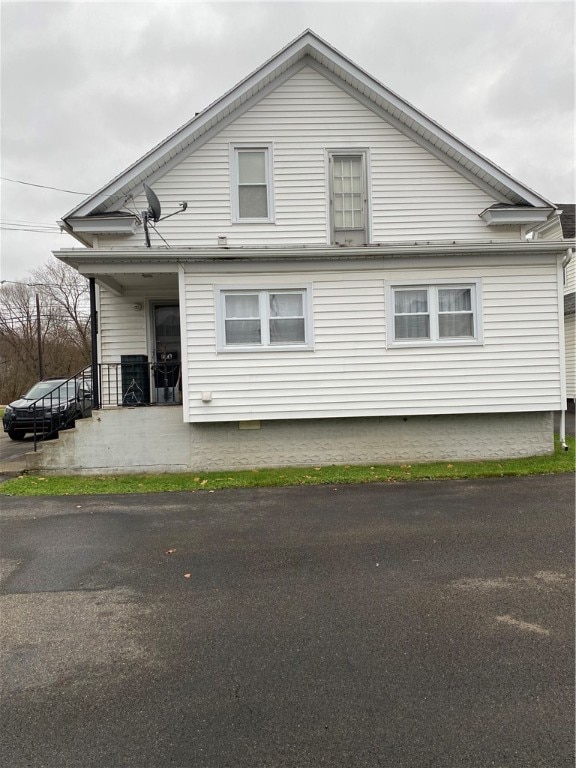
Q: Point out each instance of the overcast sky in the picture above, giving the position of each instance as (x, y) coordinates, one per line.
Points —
(89, 87)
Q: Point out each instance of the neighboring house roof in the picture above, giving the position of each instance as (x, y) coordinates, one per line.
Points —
(309, 49)
(567, 219)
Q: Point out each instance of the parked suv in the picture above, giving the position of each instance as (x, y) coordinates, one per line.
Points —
(50, 405)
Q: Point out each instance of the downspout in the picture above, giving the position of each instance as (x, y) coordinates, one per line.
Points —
(565, 261)
(94, 340)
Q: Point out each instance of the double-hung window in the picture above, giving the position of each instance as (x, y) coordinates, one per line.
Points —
(263, 319)
(446, 313)
(251, 178)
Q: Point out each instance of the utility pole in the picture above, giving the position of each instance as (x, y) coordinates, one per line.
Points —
(39, 338)
(38, 324)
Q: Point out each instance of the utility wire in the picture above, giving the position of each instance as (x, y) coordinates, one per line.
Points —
(26, 224)
(42, 231)
(44, 186)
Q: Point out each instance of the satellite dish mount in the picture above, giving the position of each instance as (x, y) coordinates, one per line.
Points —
(153, 212)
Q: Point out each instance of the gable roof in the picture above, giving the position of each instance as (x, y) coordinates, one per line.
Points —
(309, 49)
(568, 219)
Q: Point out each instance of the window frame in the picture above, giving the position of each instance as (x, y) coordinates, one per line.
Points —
(331, 153)
(235, 150)
(264, 291)
(432, 287)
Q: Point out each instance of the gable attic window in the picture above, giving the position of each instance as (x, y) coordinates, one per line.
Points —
(434, 314)
(263, 319)
(251, 180)
(348, 197)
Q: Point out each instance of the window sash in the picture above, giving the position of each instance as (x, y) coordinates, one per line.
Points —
(264, 318)
(348, 192)
(251, 184)
(434, 313)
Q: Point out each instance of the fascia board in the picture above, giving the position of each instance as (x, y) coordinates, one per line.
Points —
(430, 146)
(414, 117)
(175, 142)
(307, 43)
(216, 128)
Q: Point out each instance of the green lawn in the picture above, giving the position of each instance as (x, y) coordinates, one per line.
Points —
(36, 485)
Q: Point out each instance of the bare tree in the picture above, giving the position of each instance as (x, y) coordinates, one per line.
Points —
(66, 291)
(64, 327)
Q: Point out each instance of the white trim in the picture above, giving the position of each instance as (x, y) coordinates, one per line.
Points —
(104, 225)
(351, 151)
(183, 343)
(426, 143)
(561, 333)
(494, 217)
(221, 291)
(331, 62)
(435, 341)
(234, 150)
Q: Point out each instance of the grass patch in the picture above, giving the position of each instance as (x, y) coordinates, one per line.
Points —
(37, 485)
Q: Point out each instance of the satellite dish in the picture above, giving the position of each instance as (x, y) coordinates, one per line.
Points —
(154, 209)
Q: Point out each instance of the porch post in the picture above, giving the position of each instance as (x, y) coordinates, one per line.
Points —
(94, 341)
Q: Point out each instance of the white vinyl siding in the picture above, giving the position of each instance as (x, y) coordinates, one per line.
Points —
(352, 371)
(121, 328)
(570, 276)
(412, 194)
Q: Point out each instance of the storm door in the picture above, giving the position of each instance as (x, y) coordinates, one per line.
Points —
(167, 368)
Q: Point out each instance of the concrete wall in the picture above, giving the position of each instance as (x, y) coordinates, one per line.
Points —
(127, 440)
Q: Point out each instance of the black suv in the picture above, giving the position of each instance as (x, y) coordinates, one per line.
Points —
(50, 405)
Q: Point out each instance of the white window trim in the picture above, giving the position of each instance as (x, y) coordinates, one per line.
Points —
(220, 291)
(435, 340)
(330, 152)
(234, 203)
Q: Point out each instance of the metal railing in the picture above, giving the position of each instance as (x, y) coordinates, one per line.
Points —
(137, 382)
(59, 403)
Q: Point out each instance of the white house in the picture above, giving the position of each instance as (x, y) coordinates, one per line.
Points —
(348, 282)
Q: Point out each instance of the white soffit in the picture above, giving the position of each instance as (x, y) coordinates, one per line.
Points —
(262, 79)
(509, 215)
(109, 225)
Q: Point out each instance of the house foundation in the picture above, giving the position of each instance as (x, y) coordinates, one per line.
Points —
(152, 440)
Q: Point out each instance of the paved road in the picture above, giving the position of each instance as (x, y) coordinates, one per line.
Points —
(401, 625)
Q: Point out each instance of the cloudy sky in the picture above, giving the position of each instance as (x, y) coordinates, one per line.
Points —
(89, 87)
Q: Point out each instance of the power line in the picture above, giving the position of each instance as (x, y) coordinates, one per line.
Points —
(44, 186)
(41, 230)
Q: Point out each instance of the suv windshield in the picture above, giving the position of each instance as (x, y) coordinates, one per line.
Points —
(65, 391)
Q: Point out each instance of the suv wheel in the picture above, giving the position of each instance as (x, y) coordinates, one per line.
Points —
(16, 434)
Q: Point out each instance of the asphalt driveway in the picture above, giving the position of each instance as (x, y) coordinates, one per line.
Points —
(401, 625)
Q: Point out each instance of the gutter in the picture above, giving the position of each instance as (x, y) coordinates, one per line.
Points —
(308, 253)
(68, 229)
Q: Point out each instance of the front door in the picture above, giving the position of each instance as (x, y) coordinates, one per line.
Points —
(167, 371)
